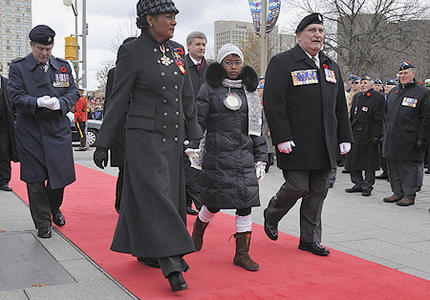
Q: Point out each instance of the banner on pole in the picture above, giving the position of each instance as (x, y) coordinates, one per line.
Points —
(274, 7)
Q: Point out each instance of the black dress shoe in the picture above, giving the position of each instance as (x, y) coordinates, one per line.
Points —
(191, 211)
(366, 193)
(6, 188)
(314, 248)
(354, 189)
(177, 282)
(149, 261)
(44, 232)
(382, 176)
(345, 171)
(331, 184)
(271, 230)
(58, 219)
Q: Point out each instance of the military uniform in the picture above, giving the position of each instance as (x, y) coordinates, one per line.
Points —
(367, 113)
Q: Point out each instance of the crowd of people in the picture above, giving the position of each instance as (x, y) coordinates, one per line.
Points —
(183, 132)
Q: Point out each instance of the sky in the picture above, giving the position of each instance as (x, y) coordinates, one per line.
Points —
(111, 21)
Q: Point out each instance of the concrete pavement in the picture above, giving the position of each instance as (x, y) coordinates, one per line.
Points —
(397, 237)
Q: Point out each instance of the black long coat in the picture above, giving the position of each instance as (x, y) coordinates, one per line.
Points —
(407, 115)
(228, 171)
(7, 115)
(367, 115)
(161, 115)
(313, 115)
(43, 136)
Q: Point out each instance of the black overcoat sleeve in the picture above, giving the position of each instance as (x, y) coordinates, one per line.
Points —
(109, 87)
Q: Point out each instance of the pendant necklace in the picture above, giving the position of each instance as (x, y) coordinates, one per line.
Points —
(164, 59)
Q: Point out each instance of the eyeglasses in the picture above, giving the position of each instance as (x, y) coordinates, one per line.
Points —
(231, 63)
(315, 30)
(355, 82)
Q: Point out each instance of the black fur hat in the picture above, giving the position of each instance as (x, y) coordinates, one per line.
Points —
(216, 73)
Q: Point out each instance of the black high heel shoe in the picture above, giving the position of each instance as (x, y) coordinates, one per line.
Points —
(177, 282)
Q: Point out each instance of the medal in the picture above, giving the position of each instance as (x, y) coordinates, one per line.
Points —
(179, 60)
(232, 101)
(164, 59)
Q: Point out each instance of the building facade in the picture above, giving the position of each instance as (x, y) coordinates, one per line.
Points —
(15, 24)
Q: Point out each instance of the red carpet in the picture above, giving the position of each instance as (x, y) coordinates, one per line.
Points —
(285, 272)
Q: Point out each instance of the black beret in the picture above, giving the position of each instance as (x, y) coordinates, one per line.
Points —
(155, 7)
(391, 82)
(378, 81)
(42, 34)
(314, 18)
(366, 77)
(406, 65)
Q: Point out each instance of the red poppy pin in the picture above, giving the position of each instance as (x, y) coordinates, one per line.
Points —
(325, 66)
(63, 70)
(397, 91)
(368, 94)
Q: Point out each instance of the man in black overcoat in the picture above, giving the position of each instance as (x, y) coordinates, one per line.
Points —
(304, 102)
(367, 114)
(7, 137)
(405, 136)
(42, 89)
(117, 150)
(197, 65)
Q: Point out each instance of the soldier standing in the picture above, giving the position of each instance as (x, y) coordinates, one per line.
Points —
(43, 91)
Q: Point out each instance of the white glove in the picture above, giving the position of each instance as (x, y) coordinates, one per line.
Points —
(53, 104)
(344, 147)
(42, 101)
(193, 154)
(260, 169)
(286, 147)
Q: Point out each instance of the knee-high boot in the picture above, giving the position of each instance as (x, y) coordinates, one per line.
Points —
(199, 228)
(242, 259)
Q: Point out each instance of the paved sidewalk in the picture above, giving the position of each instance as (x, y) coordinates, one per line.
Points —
(397, 237)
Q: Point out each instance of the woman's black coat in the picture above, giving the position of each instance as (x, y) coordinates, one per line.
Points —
(228, 171)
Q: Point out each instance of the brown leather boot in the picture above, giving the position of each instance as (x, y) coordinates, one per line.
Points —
(242, 258)
(199, 228)
(393, 198)
(405, 202)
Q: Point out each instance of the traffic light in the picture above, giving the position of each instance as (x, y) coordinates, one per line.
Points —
(71, 48)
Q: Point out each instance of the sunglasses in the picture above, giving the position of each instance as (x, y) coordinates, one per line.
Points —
(356, 82)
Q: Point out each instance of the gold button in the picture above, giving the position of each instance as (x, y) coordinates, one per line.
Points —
(164, 140)
(163, 88)
(176, 139)
(177, 113)
(163, 74)
(165, 114)
(176, 126)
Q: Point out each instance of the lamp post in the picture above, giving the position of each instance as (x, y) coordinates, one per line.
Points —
(263, 35)
(74, 5)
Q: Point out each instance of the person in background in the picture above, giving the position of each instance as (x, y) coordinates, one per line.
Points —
(197, 66)
(378, 86)
(43, 91)
(235, 155)
(367, 117)
(80, 114)
(405, 136)
(7, 137)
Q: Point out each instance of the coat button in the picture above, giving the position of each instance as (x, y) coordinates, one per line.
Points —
(177, 113)
(164, 100)
(176, 86)
(163, 88)
(176, 139)
(165, 114)
(175, 73)
(176, 99)
(164, 126)
(176, 126)
(155, 50)
(167, 49)
(164, 140)
(163, 74)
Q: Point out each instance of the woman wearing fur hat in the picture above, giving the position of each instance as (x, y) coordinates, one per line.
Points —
(151, 224)
(235, 152)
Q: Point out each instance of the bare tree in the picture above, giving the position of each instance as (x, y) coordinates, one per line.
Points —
(101, 77)
(372, 35)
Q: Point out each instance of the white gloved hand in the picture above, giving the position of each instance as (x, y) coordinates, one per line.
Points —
(193, 154)
(286, 147)
(42, 101)
(260, 169)
(53, 103)
(344, 147)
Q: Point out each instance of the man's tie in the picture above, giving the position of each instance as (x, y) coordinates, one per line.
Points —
(315, 61)
(43, 67)
(200, 67)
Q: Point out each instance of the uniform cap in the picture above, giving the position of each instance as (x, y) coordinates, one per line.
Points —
(391, 81)
(42, 34)
(406, 65)
(353, 77)
(155, 7)
(315, 18)
(427, 82)
(226, 50)
(366, 77)
(378, 81)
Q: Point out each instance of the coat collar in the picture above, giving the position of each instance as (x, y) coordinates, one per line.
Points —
(147, 36)
(31, 63)
(300, 55)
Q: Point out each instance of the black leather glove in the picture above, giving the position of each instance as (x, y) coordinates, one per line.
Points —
(100, 157)
(421, 144)
(376, 141)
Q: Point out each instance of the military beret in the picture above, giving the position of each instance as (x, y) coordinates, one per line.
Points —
(391, 82)
(314, 18)
(353, 77)
(406, 65)
(42, 34)
(366, 77)
(155, 7)
(427, 82)
(378, 81)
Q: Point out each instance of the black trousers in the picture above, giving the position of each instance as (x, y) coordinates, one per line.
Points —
(118, 192)
(5, 169)
(365, 183)
(82, 135)
(44, 202)
(312, 187)
(192, 184)
(404, 177)
(172, 264)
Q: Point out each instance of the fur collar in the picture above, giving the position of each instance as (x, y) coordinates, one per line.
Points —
(216, 73)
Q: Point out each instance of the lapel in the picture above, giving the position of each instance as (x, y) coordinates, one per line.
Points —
(299, 55)
(40, 77)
